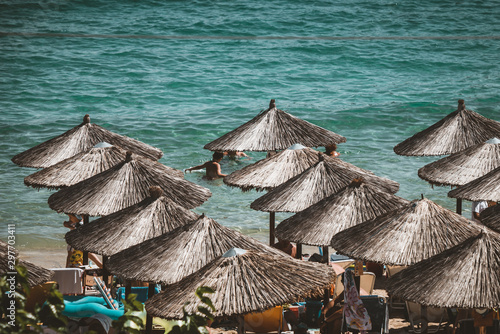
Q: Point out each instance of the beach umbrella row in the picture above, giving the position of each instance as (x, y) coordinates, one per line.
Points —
(79, 139)
(244, 281)
(272, 130)
(126, 184)
(152, 217)
(455, 132)
(484, 188)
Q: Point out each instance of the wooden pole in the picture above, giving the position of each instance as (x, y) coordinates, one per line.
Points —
(459, 206)
(326, 259)
(149, 318)
(85, 253)
(128, 288)
(272, 216)
(298, 254)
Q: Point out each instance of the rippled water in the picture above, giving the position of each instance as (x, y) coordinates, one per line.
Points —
(178, 74)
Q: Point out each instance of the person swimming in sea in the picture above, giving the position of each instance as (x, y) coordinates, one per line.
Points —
(212, 167)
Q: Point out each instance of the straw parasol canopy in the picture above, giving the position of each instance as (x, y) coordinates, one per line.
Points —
(174, 255)
(80, 167)
(113, 233)
(352, 205)
(244, 282)
(405, 236)
(462, 167)
(274, 129)
(79, 139)
(491, 217)
(315, 183)
(484, 188)
(36, 274)
(465, 276)
(124, 185)
(270, 172)
(456, 132)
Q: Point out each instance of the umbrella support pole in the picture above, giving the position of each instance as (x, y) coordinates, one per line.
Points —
(272, 218)
(298, 253)
(326, 259)
(85, 253)
(149, 318)
(128, 288)
(423, 315)
(241, 325)
(459, 206)
(105, 272)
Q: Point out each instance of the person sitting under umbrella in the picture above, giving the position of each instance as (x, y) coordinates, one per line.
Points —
(331, 150)
(213, 170)
(75, 257)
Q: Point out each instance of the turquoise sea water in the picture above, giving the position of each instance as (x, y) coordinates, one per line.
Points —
(178, 74)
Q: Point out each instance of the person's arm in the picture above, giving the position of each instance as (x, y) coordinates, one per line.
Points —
(196, 167)
(95, 259)
(219, 171)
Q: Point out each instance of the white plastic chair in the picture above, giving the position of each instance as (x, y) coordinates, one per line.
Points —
(434, 315)
(395, 303)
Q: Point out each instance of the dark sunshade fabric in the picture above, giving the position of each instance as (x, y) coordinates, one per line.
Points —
(352, 205)
(491, 217)
(79, 139)
(464, 166)
(244, 282)
(78, 168)
(274, 129)
(124, 185)
(317, 182)
(456, 132)
(484, 188)
(174, 255)
(406, 235)
(270, 172)
(150, 218)
(36, 274)
(465, 276)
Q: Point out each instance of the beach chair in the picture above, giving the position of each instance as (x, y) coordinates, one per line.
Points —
(434, 315)
(366, 284)
(395, 303)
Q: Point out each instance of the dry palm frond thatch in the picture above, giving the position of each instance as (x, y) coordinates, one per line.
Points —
(274, 129)
(484, 188)
(124, 185)
(244, 282)
(457, 131)
(36, 274)
(79, 139)
(78, 168)
(465, 276)
(491, 217)
(174, 255)
(352, 205)
(270, 172)
(113, 233)
(317, 182)
(464, 166)
(406, 235)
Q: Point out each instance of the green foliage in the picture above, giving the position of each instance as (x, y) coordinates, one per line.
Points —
(195, 323)
(14, 290)
(130, 322)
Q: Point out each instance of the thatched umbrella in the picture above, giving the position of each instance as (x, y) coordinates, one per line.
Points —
(456, 132)
(465, 276)
(244, 282)
(274, 129)
(36, 274)
(406, 235)
(462, 167)
(352, 205)
(80, 167)
(272, 171)
(123, 185)
(79, 139)
(113, 233)
(484, 188)
(315, 183)
(491, 217)
(172, 256)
